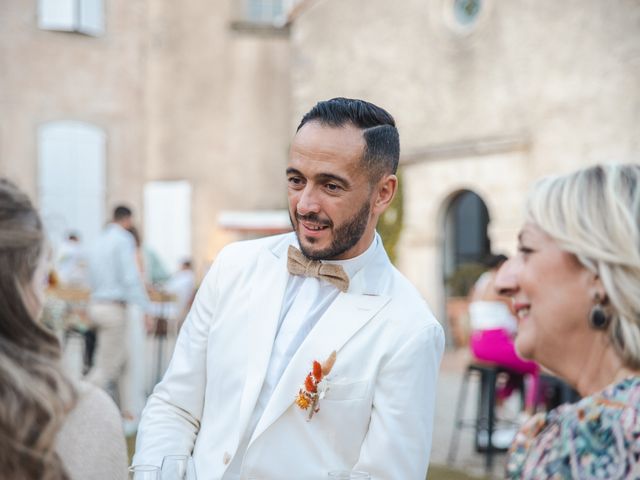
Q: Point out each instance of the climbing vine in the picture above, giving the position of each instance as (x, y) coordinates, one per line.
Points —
(390, 224)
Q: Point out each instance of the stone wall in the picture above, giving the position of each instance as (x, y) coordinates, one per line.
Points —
(180, 94)
(534, 87)
(51, 75)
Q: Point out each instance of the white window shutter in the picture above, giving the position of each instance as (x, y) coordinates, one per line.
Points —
(71, 179)
(91, 17)
(57, 14)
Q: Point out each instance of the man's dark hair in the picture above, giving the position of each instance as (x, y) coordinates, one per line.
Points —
(382, 150)
(121, 212)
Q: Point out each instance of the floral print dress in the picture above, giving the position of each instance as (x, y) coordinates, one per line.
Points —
(595, 438)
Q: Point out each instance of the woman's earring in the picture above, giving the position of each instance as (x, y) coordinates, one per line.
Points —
(598, 319)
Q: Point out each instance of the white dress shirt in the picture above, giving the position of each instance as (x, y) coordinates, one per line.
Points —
(113, 272)
(306, 299)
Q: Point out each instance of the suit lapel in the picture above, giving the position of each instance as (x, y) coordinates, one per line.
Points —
(267, 293)
(345, 317)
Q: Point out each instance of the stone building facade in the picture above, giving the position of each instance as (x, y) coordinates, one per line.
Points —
(488, 97)
(177, 91)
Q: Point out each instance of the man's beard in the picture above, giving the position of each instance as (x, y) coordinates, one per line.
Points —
(345, 236)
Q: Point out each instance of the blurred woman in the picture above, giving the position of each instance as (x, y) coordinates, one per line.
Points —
(132, 383)
(493, 326)
(49, 428)
(575, 285)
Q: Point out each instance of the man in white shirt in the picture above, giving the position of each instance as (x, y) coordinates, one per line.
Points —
(307, 352)
(115, 281)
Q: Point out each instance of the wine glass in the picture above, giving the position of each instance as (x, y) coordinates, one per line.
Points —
(177, 467)
(144, 472)
(349, 475)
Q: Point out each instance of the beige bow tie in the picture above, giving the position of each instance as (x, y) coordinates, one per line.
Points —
(298, 264)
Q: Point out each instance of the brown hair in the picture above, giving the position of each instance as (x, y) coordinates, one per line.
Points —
(35, 395)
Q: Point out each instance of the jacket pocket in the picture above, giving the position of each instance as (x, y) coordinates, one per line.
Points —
(340, 391)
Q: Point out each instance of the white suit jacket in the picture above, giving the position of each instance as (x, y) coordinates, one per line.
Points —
(377, 414)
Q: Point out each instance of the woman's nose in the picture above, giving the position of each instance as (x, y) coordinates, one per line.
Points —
(506, 279)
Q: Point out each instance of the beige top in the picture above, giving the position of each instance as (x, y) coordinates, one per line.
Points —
(91, 442)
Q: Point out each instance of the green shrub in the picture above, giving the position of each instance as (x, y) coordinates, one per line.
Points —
(390, 223)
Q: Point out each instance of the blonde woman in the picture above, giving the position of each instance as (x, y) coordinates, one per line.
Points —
(50, 429)
(575, 285)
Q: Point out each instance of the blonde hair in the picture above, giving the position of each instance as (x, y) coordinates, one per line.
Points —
(594, 214)
(35, 396)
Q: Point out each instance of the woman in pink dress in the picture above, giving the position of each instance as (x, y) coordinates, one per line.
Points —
(493, 328)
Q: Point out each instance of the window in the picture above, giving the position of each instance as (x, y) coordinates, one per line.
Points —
(82, 16)
(466, 16)
(71, 179)
(466, 239)
(273, 13)
(466, 11)
(261, 11)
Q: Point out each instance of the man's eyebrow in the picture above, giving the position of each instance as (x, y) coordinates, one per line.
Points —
(323, 177)
(331, 176)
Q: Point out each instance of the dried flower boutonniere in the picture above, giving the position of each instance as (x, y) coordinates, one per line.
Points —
(314, 388)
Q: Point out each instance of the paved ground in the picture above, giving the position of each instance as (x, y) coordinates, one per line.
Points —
(467, 460)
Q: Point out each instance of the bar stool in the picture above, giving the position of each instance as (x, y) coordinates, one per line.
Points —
(555, 392)
(485, 416)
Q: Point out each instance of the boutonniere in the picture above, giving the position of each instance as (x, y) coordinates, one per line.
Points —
(314, 387)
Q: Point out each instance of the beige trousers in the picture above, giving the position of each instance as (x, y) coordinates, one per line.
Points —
(109, 319)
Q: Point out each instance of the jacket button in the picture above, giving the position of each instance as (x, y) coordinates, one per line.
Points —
(226, 458)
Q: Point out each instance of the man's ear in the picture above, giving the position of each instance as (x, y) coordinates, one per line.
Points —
(385, 191)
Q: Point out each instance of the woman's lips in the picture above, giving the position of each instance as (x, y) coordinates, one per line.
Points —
(522, 310)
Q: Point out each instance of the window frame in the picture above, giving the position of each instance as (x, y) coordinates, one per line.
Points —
(86, 17)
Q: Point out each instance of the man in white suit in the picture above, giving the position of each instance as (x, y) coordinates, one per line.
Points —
(242, 392)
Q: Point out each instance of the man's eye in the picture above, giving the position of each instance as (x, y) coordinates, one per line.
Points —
(295, 180)
(332, 187)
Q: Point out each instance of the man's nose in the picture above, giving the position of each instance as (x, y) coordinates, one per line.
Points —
(506, 280)
(308, 201)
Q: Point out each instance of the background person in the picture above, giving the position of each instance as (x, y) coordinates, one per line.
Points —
(182, 285)
(50, 429)
(493, 327)
(132, 391)
(232, 394)
(575, 284)
(151, 267)
(71, 263)
(115, 283)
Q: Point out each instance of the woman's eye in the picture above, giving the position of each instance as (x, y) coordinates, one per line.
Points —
(524, 250)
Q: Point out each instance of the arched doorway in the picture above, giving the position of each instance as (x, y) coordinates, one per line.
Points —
(466, 244)
(466, 239)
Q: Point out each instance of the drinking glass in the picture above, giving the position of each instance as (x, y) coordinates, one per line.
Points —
(177, 467)
(144, 472)
(349, 475)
